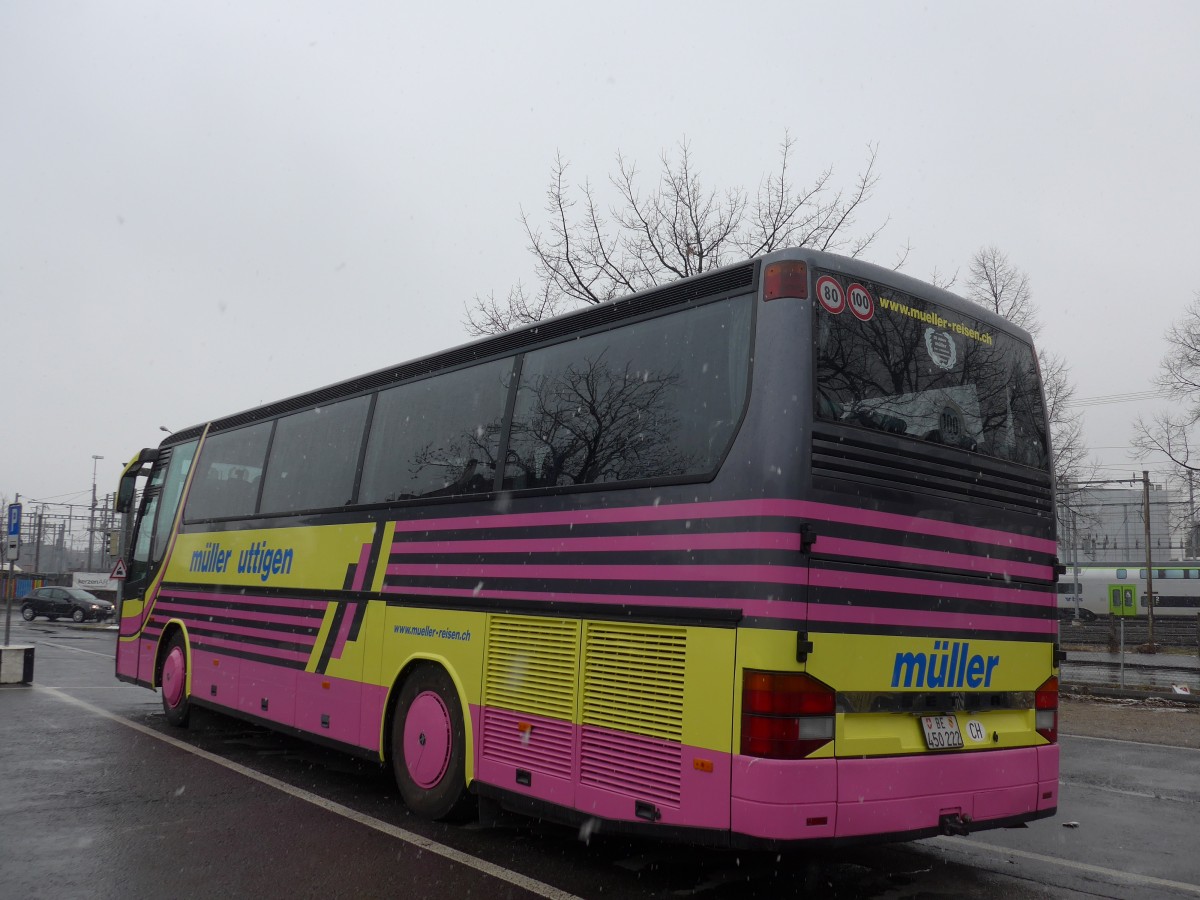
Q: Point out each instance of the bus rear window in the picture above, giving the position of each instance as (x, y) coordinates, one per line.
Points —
(894, 363)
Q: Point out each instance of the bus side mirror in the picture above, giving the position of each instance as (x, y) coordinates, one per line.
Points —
(124, 495)
(125, 490)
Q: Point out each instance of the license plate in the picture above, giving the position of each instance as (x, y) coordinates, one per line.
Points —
(941, 732)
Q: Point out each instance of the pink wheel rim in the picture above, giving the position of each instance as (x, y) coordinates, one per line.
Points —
(427, 740)
(174, 670)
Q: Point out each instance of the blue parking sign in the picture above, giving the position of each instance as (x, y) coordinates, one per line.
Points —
(14, 520)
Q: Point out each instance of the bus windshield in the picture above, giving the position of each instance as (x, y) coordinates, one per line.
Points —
(892, 362)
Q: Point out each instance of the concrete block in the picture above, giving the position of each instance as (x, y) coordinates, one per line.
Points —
(16, 664)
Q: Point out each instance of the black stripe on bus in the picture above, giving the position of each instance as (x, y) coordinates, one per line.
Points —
(331, 638)
(921, 541)
(647, 557)
(201, 644)
(928, 630)
(847, 597)
(940, 576)
(294, 646)
(360, 613)
(268, 593)
(621, 612)
(251, 606)
(373, 557)
(732, 590)
(310, 630)
(493, 528)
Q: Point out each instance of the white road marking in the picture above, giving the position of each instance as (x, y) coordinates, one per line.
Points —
(967, 845)
(76, 649)
(515, 878)
(1143, 795)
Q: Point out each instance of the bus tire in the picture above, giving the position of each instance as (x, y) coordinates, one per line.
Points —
(428, 746)
(173, 681)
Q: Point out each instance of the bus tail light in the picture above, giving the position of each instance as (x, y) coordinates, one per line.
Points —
(788, 278)
(1045, 702)
(785, 715)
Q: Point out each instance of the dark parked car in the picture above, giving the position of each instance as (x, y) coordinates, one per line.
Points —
(64, 603)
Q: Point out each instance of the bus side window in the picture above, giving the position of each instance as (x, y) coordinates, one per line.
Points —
(228, 472)
(313, 458)
(437, 437)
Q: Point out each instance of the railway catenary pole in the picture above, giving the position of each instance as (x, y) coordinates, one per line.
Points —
(1149, 570)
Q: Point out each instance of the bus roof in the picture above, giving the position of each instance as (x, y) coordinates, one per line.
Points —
(726, 281)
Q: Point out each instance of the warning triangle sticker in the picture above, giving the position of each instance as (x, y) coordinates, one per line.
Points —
(118, 571)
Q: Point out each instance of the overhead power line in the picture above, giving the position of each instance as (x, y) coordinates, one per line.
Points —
(1106, 399)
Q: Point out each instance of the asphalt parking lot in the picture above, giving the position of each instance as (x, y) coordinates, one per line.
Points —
(101, 798)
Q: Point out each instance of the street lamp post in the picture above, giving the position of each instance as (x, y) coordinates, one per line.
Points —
(92, 518)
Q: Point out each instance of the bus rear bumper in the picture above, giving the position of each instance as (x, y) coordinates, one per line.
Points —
(889, 796)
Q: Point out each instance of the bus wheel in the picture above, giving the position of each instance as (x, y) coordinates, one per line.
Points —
(174, 682)
(428, 746)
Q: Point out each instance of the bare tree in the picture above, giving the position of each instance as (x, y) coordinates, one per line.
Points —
(588, 252)
(995, 283)
(1168, 433)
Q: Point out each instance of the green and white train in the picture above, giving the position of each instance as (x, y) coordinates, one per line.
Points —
(1120, 588)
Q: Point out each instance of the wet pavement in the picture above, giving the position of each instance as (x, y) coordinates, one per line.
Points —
(99, 797)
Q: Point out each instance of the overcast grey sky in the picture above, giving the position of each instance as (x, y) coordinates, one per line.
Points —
(205, 206)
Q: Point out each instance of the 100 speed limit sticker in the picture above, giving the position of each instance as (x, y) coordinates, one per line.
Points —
(834, 298)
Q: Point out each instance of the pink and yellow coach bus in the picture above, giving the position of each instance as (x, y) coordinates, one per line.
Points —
(764, 557)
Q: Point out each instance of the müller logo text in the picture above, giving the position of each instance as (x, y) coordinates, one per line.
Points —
(948, 666)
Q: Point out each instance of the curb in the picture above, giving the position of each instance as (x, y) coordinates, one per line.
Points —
(1088, 690)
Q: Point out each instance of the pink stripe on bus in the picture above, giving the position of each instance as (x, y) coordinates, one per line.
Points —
(760, 574)
(741, 540)
(296, 655)
(360, 573)
(344, 630)
(769, 608)
(895, 522)
(252, 598)
(894, 584)
(938, 559)
(928, 619)
(800, 509)
(267, 634)
(167, 605)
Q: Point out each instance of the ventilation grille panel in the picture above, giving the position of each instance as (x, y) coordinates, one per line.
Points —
(532, 666)
(951, 474)
(635, 766)
(542, 745)
(634, 679)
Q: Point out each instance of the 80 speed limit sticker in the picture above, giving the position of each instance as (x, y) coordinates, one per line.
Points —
(831, 295)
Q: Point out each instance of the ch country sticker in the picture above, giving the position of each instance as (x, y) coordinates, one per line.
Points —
(948, 666)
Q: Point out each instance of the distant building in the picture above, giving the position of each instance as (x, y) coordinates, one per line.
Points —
(1107, 525)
